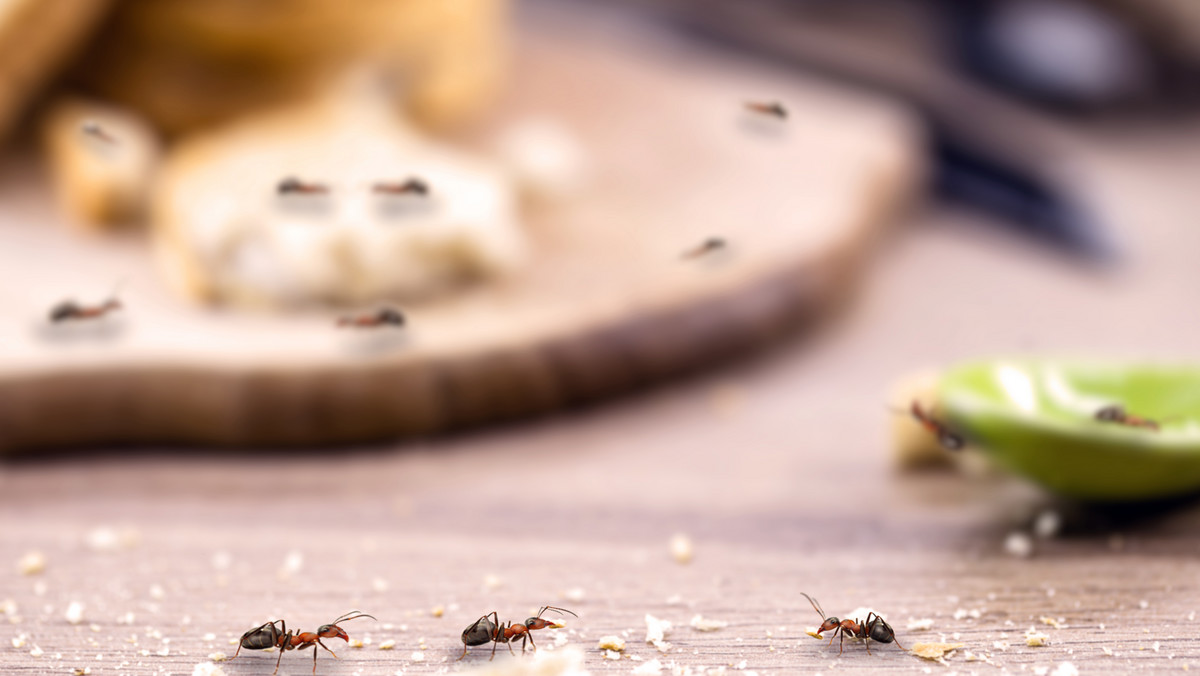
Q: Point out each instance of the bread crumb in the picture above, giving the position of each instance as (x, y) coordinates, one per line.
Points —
(935, 651)
(417, 656)
(1035, 639)
(1143, 604)
(700, 624)
(492, 582)
(379, 584)
(615, 643)
(82, 671)
(611, 655)
(74, 612)
(207, 669)
(18, 641)
(1018, 544)
(157, 593)
(575, 595)
(36, 651)
(1056, 623)
(1106, 650)
(812, 631)
(681, 548)
(1065, 669)
(217, 657)
(32, 563)
(355, 642)
(292, 563)
(438, 611)
(651, 667)
(656, 632)
(388, 644)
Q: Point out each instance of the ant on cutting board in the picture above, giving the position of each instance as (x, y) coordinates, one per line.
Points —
(384, 317)
(413, 186)
(871, 630)
(486, 630)
(773, 108)
(948, 439)
(267, 635)
(70, 310)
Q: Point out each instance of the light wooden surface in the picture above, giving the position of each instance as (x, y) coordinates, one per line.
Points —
(605, 305)
(775, 466)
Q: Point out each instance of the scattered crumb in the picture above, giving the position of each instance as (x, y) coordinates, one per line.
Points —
(18, 641)
(32, 563)
(1056, 623)
(920, 625)
(222, 560)
(109, 539)
(36, 652)
(217, 657)
(492, 582)
(81, 671)
(438, 611)
(700, 624)
(74, 612)
(388, 644)
(292, 563)
(1065, 669)
(651, 667)
(1143, 604)
(1047, 524)
(575, 595)
(1018, 544)
(1035, 639)
(656, 632)
(681, 548)
(207, 669)
(1106, 650)
(379, 584)
(417, 656)
(812, 631)
(935, 651)
(963, 613)
(1040, 671)
(356, 643)
(157, 593)
(611, 643)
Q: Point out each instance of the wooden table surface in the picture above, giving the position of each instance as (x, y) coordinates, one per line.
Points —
(776, 467)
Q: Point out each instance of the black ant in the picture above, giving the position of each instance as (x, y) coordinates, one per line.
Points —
(291, 184)
(70, 310)
(875, 629)
(267, 635)
(1116, 413)
(384, 317)
(413, 186)
(486, 630)
(773, 108)
(93, 129)
(706, 247)
(948, 439)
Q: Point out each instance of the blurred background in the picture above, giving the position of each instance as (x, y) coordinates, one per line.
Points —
(431, 309)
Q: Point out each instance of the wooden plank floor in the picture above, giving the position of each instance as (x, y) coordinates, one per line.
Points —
(776, 467)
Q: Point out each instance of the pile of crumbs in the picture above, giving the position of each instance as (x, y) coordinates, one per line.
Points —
(656, 632)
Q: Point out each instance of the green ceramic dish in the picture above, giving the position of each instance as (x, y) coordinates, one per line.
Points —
(1037, 418)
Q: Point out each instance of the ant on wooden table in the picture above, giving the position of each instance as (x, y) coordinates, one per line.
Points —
(873, 629)
(70, 310)
(773, 108)
(413, 186)
(708, 246)
(267, 635)
(291, 185)
(383, 317)
(489, 629)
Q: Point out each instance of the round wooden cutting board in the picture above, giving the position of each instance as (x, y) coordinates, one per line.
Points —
(607, 305)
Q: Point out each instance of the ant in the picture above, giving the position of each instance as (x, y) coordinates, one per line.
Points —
(70, 310)
(93, 129)
(267, 635)
(872, 630)
(1116, 413)
(291, 184)
(707, 246)
(949, 440)
(413, 186)
(773, 108)
(484, 630)
(384, 317)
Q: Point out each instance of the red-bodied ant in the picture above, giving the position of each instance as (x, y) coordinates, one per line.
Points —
(384, 317)
(413, 186)
(773, 108)
(69, 310)
(873, 629)
(267, 635)
(489, 629)
(1116, 413)
(708, 246)
(291, 184)
(948, 439)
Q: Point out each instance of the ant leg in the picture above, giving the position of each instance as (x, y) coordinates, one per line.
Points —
(842, 642)
(277, 660)
(460, 657)
(315, 661)
(530, 637)
(326, 650)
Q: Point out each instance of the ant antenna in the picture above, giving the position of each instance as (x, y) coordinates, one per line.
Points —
(555, 609)
(816, 606)
(347, 617)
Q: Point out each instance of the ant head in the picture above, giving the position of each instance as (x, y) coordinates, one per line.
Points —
(538, 622)
(950, 441)
(881, 631)
(391, 316)
(829, 623)
(1112, 413)
(332, 631)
